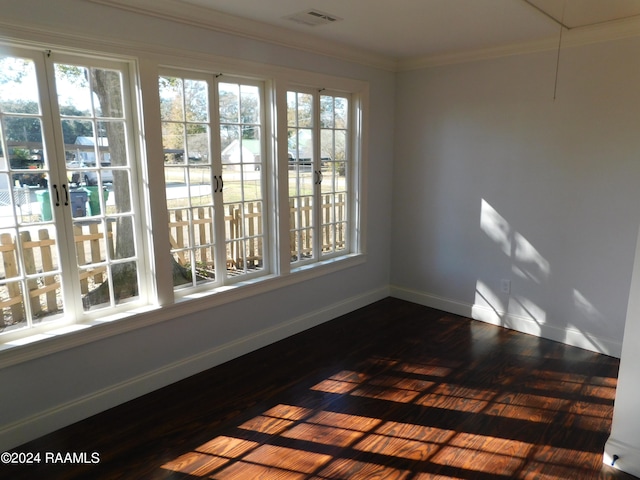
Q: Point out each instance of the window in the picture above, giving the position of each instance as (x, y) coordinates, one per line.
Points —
(319, 170)
(68, 237)
(214, 171)
(76, 243)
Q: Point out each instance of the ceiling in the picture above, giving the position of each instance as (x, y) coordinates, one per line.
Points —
(402, 30)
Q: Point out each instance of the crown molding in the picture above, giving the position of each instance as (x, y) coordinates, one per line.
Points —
(197, 16)
(25, 35)
(575, 37)
(465, 56)
(201, 17)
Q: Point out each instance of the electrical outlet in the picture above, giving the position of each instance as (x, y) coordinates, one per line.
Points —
(505, 285)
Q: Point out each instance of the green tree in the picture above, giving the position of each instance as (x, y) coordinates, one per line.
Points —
(72, 129)
(23, 128)
(184, 102)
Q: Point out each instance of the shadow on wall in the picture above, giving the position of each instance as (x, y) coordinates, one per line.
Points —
(510, 305)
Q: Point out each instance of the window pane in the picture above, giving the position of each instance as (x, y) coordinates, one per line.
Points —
(305, 110)
(30, 286)
(318, 227)
(26, 166)
(341, 109)
(100, 172)
(243, 175)
(255, 253)
(107, 93)
(171, 99)
(30, 281)
(18, 86)
(196, 101)
(229, 102)
(333, 148)
(198, 143)
(175, 177)
(24, 142)
(191, 225)
(86, 91)
(100, 247)
(13, 308)
(97, 292)
(251, 182)
(244, 233)
(75, 97)
(189, 178)
(326, 112)
(111, 144)
(301, 214)
(80, 151)
(341, 236)
(203, 236)
(339, 146)
(200, 192)
(250, 104)
(230, 143)
(174, 142)
(127, 288)
(302, 176)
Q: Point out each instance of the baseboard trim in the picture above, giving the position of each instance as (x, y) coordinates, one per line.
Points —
(566, 335)
(628, 456)
(34, 426)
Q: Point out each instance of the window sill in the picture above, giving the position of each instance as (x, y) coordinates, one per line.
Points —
(69, 336)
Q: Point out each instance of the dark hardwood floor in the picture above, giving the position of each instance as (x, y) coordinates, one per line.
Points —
(393, 391)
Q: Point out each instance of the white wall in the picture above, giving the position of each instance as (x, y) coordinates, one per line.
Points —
(41, 395)
(496, 180)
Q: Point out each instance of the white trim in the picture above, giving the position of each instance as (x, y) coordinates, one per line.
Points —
(190, 14)
(417, 63)
(22, 35)
(56, 417)
(52, 337)
(575, 37)
(42, 344)
(609, 31)
(197, 16)
(629, 456)
(360, 168)
(519, 323)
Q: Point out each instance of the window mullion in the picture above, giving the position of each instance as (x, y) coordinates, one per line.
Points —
(71, 292)
(356, 186)
(156, 198)
(317, 180)
(281, 179)
(218, 182)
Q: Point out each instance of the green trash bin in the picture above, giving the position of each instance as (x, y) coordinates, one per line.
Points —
(44, 200)
(94, 199)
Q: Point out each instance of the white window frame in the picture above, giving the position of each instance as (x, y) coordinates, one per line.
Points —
(222, 278)
(75, 317)
(358, 102)
(318, 256)
(158, 301)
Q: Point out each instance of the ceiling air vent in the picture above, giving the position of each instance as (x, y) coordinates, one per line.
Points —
(313, 18)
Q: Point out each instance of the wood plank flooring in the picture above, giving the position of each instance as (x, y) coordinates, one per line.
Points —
(393, 391)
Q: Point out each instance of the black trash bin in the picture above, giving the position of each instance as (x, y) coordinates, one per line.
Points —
(79, 198)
